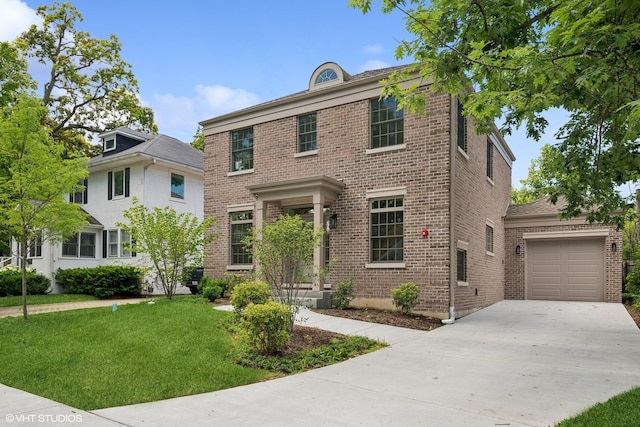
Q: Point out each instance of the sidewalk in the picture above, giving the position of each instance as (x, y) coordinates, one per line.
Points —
(65, 306)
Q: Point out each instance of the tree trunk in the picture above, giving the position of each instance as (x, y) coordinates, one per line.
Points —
(23, 261)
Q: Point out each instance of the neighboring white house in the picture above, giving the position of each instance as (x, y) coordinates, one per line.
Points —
(157, 169)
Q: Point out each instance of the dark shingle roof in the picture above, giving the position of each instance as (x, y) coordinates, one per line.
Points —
(161, 147)
(539, 207)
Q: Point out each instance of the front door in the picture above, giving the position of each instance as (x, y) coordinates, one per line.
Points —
(306, 213)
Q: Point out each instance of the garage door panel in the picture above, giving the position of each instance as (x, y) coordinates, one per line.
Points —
(570, 269)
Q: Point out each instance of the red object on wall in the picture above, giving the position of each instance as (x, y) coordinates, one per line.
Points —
(425, 232)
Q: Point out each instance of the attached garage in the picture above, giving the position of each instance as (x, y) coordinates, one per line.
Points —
(565, 270)
(563, 260)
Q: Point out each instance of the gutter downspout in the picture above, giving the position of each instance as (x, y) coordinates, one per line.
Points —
(453, 148)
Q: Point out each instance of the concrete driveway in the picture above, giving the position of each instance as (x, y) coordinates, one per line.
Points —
(516, 363)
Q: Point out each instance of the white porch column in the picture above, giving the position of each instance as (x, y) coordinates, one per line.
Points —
(259, 221)
(318, 252)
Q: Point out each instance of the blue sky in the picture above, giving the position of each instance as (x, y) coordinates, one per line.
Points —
(198, 59)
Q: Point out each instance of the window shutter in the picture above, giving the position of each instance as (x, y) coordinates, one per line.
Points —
(71, 197)
(110, 186)
(104, 242)
(126, 182)
(133, 241)
(86, 191)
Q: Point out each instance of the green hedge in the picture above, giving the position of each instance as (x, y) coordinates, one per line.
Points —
(11, 283)
(103, 282)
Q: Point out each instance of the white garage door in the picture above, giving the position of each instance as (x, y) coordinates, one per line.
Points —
(565, 270)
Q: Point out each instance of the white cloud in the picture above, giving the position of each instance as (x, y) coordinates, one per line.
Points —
(15, 18)
(374, 64)
(178, 116)
(373, 49)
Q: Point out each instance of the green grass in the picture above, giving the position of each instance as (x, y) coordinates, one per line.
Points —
(622, 410)
(96, 358)
(16, 301)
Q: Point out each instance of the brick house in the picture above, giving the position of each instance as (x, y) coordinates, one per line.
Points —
(404, 197)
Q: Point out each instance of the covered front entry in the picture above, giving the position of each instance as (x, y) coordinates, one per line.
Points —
(316, 192)
(566, 269)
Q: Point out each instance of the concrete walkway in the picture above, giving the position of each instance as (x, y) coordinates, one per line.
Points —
(65, 306)
(516, 363)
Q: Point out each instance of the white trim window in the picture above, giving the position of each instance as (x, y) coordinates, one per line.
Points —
(177, 186)
(386, 232)
(240, 224)
(115, 244)
(80, 245)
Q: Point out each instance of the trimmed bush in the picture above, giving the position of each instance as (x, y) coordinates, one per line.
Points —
(225, 283)
(344, 294)
(246, 293)
(11, 283)
(209, 288)
(263, 327)
(405, 297)
(103, 282)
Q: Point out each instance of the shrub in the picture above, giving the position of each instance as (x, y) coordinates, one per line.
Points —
(103, 281)
(11, 283)
(210, 290)
(263, 327)
(630, 299)
(405, 297)
(344, 294)
(633, 282)
(246, 293)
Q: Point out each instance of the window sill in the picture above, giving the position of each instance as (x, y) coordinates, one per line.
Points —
(465, 284)
(490, 253)
(385, 265)
(386, 149)
(463, 153)
(306, 153)
(490, 181)
(242, 172)
(240, 267)
(177, 200)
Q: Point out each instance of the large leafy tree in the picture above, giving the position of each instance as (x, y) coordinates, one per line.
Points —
(539, 180)
(34, 177)
(14, 77)
(171, 240)
(89, 87)
(524, 57)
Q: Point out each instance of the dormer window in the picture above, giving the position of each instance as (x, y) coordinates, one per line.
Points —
(327, 75)
(110, 143)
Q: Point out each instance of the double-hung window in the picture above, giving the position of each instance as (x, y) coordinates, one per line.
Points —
(387, 230)
(177, 186)
(387, 123)
(241, 223)
(307, 133)
(118, 183)
(242, 150)
(462, 128)
(489, 239)
(489, 159)
(461, 265)
(116, 244)
(80, 245)
(80, 193)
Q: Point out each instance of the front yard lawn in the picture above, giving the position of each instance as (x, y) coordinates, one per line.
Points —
(99, 358)
(619, 411)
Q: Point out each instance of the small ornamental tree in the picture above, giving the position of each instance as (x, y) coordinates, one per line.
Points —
(284, 252)
(34, 177)
(171, 240)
